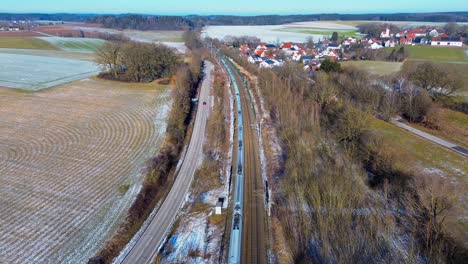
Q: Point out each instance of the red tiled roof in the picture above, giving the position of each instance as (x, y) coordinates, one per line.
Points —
(286, 46)
(410, 35)
(417, 31)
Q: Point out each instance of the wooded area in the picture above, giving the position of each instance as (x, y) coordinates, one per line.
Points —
(136, 61)
(140, 22)
(334, 167)
(150, 22)
(337, 176)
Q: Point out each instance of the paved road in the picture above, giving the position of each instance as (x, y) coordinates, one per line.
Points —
(460, 150)
(152, 238)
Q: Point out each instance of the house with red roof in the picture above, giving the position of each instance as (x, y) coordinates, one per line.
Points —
(244, 48)
(286, 46)
(417, 32)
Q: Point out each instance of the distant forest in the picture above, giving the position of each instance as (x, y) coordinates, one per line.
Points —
(152, 22)
(277, 19)
(47, 17)
(140, 22)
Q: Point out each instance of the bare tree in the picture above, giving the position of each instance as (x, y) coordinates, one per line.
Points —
(109, 56)
(435, 80)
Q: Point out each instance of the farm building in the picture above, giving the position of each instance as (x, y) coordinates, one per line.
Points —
(447, 41)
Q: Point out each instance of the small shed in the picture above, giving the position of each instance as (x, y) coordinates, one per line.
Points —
(219, 206)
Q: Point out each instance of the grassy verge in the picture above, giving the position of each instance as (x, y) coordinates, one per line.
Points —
(423, 153)
(380, 68)
(160, 84)
(26, 43)
(453, 126)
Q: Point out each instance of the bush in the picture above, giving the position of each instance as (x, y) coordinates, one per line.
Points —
(330, 66)
(416, 105)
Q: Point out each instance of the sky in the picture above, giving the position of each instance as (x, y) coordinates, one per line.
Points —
(231, 7)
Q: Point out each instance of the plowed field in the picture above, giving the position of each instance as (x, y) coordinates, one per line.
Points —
(71, 163)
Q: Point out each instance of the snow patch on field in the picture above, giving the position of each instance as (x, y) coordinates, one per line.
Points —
(34, 73)
(75, 44)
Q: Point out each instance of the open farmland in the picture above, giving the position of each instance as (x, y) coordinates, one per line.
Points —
(51, 53)
(437, 54)
(71, 163)
(319, 31)
(380, 68)
(170, 38)
(398, 23)
(25, 43)
(294, 32)
(38, 72)
(75, 44)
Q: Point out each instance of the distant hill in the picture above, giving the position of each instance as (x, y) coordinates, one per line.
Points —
(283, 19)
(154, 22)
(47, 17)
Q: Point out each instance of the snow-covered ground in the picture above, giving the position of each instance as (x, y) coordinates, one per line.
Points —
(195, 240)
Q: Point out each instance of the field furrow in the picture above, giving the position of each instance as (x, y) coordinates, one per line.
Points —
(71, 162)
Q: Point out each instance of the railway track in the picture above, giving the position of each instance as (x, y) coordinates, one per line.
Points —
(254, 235)
(253, 232)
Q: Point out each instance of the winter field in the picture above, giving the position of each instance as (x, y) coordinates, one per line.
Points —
(38, 72)
(169, 38)
(71, 163)
(75, 44)
(294, 32)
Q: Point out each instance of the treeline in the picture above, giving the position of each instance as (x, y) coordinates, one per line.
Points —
(397, 54)
(151, 22)
(47, 17)
(338, 177)
(141, 22)
(160, 171)
(282, 19)
(136, 61)
(374, 29)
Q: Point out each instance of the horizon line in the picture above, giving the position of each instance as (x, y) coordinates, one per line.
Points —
(227, 14)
